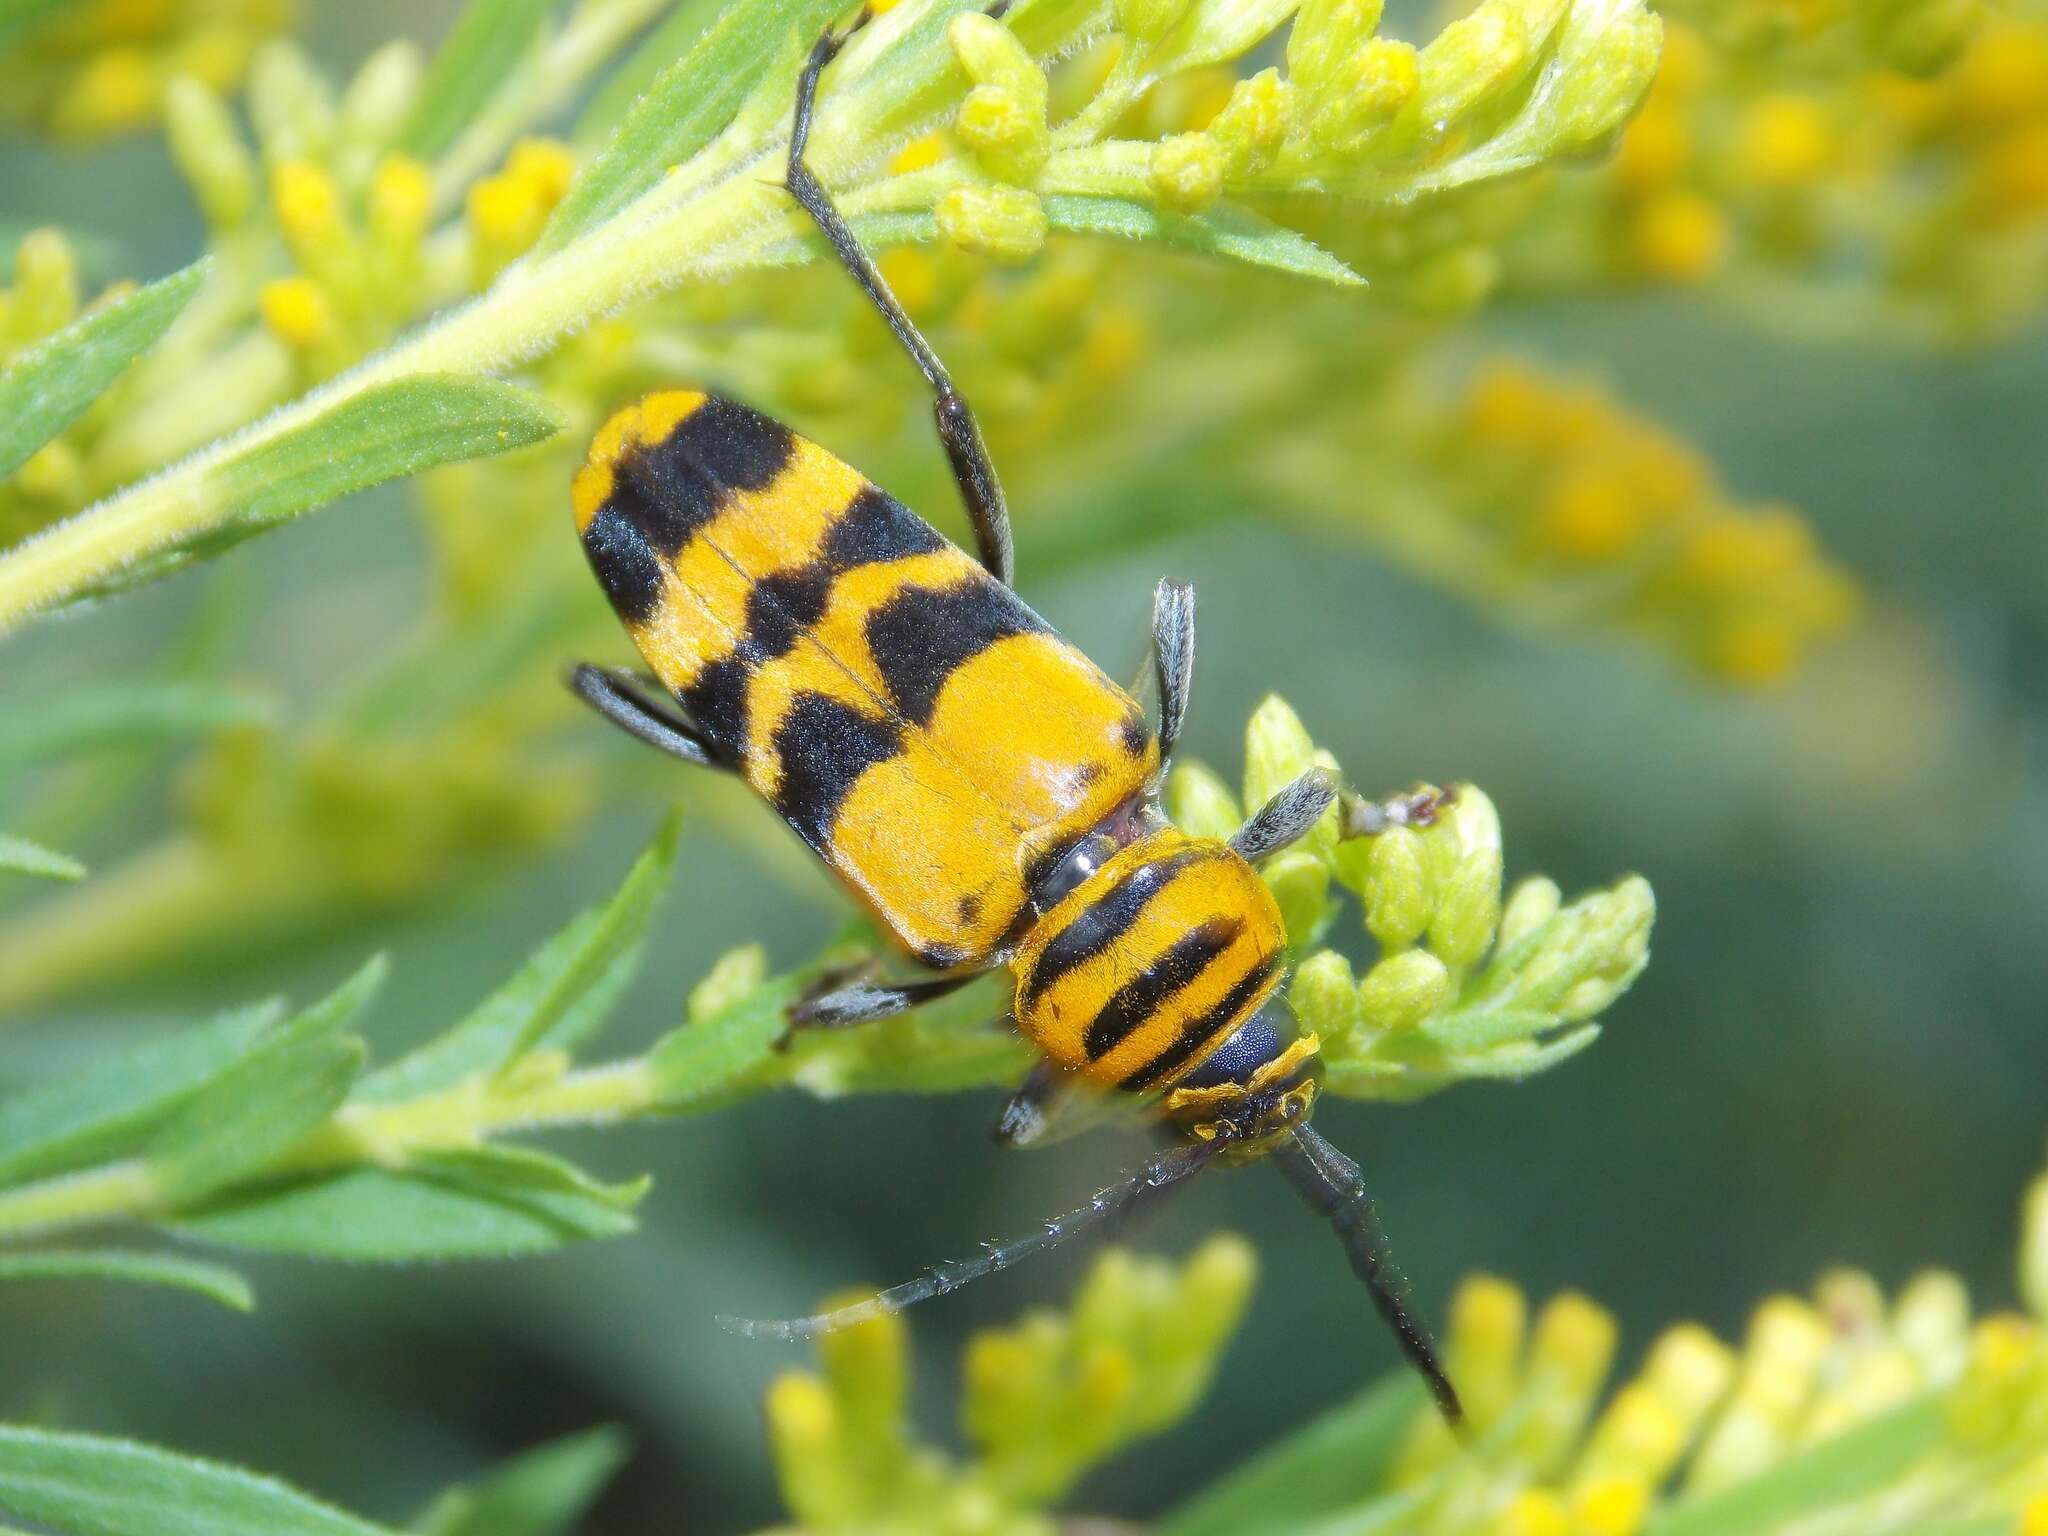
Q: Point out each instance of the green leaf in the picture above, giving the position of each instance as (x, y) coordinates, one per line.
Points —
(490, 1203)
(47, 386)
(19, 856)
(42, 727)
(266, 1102)
(537, 1494)
(87, 1486)
(684, 109)
(111, 1108)
(701, 1066)
(395, 429)
(627, 83)
(1225, 230)
(1836, 1471)
(215, 1281)
(383, 433)
(1335, 1462)
(488, 40)
(563, 992)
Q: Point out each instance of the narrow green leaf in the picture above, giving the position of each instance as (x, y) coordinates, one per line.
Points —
(214, 1281)
(384, 433)
(112, 1107)
(630, 80)
(699, 1066)
(1834, 1472)
(42, 727)
(480, 1209)
(538, 1494)
(487, 41)
(1334, 1462)
(19, 856)
(47, 386)
(564, 991)
(1225, 230)
(87, 1486)
(527, 1171)
(684, 109)
(396, 429)
(267, 1101)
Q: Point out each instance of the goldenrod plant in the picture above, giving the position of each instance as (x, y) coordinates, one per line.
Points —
(1221, 276)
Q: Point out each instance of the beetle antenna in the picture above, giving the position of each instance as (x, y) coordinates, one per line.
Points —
(1141, 1185)
(1330, 1184)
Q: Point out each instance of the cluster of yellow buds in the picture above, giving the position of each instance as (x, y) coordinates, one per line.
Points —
(1044, 1401)
(1902, 195)
(1466, 985)
(99, 67)
(353, 212)
(1157, 116)
(1557, 484)
(1957, 1411)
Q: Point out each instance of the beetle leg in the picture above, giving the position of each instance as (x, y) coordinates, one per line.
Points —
(959, 434)
(625, 701)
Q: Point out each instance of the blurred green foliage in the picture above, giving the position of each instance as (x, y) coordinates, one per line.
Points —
(1461, 521)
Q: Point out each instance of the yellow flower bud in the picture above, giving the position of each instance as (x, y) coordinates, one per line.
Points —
(1186, 172)
(381, 95)
(52, 473)
(1325, 34)
(45, 297)
(1005, 132)
(1591, 516)
(1471, 61)
(308, 204)
(1755, 649)
(1324, 996)
(1489, 1319)
(1277, 750)
(401, 199)
(1300, 883)
(2034, 1515)
(1690, 1370)
(1784, 142)
(1395, 895)
(1535, 1512)
(1574, 1340)
(1613, 1506)
(1199, 803)
(1404, 990)
(991, 55)
(1253, 121)
(1636, 1440)
(545, 165)
(1679, 237)
(297, 312)
(209, 152)
(736, 974)
(1463, 854)
(1532, 904)
(116, 92)
(1007, 223)
(1604, 80)
(1932, 1320)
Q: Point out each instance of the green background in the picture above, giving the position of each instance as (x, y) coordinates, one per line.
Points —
(1838, 1053)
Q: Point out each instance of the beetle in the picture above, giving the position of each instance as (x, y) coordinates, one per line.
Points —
(974, 779)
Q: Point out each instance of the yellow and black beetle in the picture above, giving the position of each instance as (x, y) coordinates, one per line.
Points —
(972, 777)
